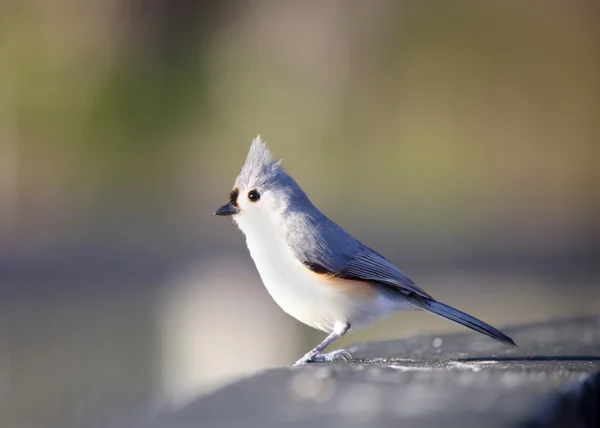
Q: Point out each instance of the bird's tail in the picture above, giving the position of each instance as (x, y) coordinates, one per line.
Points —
(459, 317)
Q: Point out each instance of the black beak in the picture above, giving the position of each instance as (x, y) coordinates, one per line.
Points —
(227, 209)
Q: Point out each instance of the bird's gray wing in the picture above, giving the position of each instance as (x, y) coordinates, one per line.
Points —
(368, 265)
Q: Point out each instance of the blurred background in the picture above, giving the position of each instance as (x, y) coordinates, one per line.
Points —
(458, 138)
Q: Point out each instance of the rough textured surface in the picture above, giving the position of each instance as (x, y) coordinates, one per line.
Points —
(464, 380)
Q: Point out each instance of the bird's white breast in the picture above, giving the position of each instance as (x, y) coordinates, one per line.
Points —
(309, 297)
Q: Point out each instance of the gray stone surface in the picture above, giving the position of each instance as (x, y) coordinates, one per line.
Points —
(463, 380)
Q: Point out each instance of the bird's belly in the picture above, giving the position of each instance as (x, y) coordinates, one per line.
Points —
(312, 298)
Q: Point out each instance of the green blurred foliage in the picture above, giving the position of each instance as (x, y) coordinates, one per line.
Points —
(453, 116)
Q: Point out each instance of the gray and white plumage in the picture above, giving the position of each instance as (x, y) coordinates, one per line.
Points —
(314, 270)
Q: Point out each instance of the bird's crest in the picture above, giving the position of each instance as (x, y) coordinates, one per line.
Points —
(259, 166)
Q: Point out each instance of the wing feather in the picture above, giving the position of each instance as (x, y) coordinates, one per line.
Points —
(368, 265)
(371, 266)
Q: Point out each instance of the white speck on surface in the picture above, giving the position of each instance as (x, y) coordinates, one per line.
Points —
(437, 342)
(411, 368)
(473, 366)
(487, 362)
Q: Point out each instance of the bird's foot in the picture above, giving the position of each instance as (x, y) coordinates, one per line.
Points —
(341, 355)
(307, 358)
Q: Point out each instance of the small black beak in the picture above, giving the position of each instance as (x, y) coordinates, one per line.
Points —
(227, 209)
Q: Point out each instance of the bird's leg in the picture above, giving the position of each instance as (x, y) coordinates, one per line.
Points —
(339, 329)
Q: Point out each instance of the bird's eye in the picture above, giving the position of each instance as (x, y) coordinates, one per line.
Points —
(253, 195)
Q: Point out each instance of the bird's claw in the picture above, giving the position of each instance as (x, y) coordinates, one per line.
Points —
(341, 355)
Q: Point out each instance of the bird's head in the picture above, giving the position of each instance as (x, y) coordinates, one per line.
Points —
(262, 189)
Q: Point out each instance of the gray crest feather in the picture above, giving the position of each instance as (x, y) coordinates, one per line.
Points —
(259, 167)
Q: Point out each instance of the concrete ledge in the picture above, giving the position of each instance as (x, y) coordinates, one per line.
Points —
(464, 380)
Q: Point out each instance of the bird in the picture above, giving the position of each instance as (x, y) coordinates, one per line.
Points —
(316, 271)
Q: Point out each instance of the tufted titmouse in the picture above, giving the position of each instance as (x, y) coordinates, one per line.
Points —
(314, 270)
